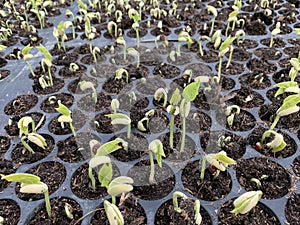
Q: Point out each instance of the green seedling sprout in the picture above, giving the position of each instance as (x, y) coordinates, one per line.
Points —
(2, 47)
(134, 52)
(96, 53)
(189, 94)
(120, 118)
(273, 33)
(240, 36)
(115, 105)
(288, 107)
(101, 158)
(202, 38)
(73, 67)
(246, 202)
(287, 86)
(110, 26)
(161, 93)
(33, 137)
(297, 31)
(59, 33)
(118, 16)
(104, 174)
(113, 213)
(23, 125)
(162, 38)
(277, 144)
(223, 49)
(65, 117)
(119, 74)
(82, 7)
(26, 56)
(121, 41)
(1, 220)
(176, 195)
(30, 184)
(136, 17)
(184, 36)
(118, 186)
(231, 114)
(188, 74)
(216, 39)
(156, 148)
(219, 160)
(212, 10)
(140, 124)
(232, 19)
(85, 85)
(173, 109)
(90, 32)
(47, 60)
(68, 211)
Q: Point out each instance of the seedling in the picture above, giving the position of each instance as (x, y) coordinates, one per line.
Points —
(246, 202)
(85, 85)
(115, 105)
(202, 38)
(287, 86)
(33, 137)
(161, 93)
(133, 14)
(240, 37)
(65, 117)
(119, 118)
(162, 38)
(198, 217)
(30, 184)
(218, 160)
(134, 52)
(59, 33)
(119, 74)
(113, 213)
(277, 144)
(73, 67)
(104, 174)
(173, 109)
(230, 112)
(26, 55)
(223, 49)
(189, 94)
(108, 147)
(184, 37)
(90, 32)
(118, 186)
(47, 60)
(121, 41)
(112, 26)
(140, 124)
(156, 148)
(232, 19)
(274, 32)
(213, 10)
(96, 53)
(288, 107)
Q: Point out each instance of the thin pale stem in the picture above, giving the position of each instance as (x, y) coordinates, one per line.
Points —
(152, 166)
(92, 178)
(212, 26)
(203, 168)
(72, 129)
(50, 75)
(275, 122)
(26, 145)
(220, 68)
(171, 131)
(47, 203)
(183, 135)
(30, 68)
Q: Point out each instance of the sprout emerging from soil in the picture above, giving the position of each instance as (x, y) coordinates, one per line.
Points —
(121, 41)
(173, 109)
(33, 137)
(219, 161)
(113, 214)
(230, 113)
(274, 32)
(140, 125)
(122, 119)
(277, 144)
(119, 74)
(240, 37)
(176, 195)
(161, 93)
(115, 105)
(65, 117)
(118, 186)
(212, 10)
(85, 85)
(30, 184)
(59, 33)
(288, 107)
(189, 94)
(156, 148)
(26, 55)
(134, 52)
(202, 38)
(112, 26)
(183, 36)
(47, 60)
(162, 38)
(246, 202)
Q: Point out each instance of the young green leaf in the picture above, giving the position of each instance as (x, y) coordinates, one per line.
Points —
(246, 202)
(190, 92)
